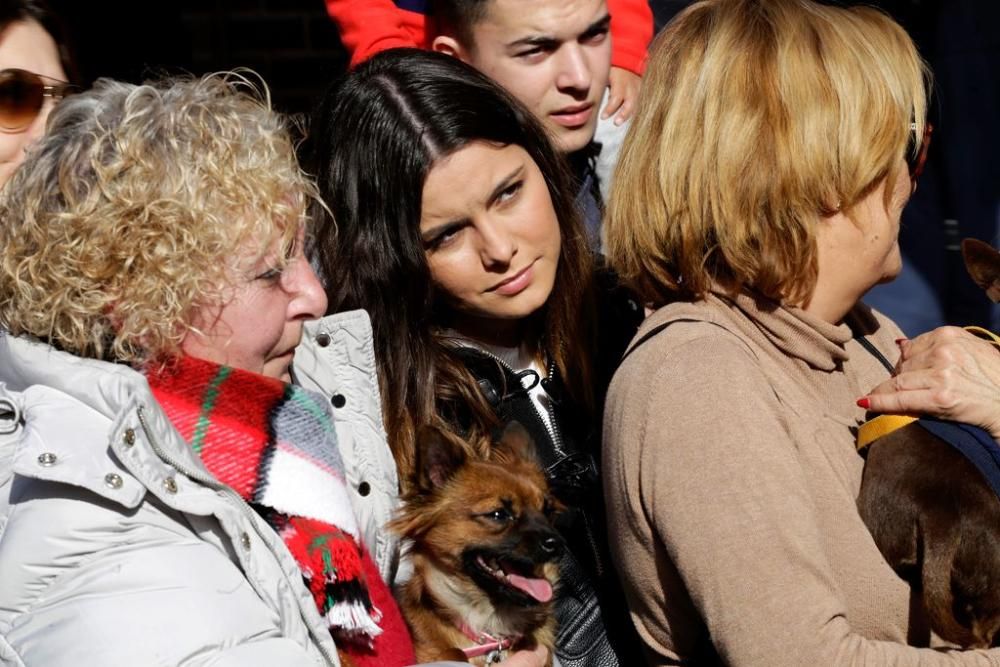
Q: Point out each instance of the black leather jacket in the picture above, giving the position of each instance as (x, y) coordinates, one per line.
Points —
(594, 627)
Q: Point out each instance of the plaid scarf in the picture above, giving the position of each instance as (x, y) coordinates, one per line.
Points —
(275, 445)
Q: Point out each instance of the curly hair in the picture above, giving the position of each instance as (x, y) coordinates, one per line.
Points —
(136, 208)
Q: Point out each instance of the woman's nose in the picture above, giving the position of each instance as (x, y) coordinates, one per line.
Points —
(308, 296)
(497, 245)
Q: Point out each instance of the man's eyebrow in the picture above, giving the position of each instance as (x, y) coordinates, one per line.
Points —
(602, 24)
(537, 41)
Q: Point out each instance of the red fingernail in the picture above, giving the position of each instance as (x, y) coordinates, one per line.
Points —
(900, 341)
(863, 402)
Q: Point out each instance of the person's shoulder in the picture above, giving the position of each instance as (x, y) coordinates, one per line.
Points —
(705, 322)
(686, 342)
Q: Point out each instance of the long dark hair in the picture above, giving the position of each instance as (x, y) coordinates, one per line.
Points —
(375, 137)
(38, 11)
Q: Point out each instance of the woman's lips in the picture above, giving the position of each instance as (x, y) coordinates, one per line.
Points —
(516, 283)
(573, 116)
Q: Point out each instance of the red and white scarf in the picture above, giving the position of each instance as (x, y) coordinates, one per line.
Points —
(275, 445)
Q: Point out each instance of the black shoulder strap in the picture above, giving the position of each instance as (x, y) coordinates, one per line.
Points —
(867, 344)
(649, 334)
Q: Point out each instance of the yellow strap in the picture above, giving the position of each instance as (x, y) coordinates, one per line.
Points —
(873, 429)
(985, 334)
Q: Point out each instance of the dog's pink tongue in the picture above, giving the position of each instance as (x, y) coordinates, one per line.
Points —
(540, 589)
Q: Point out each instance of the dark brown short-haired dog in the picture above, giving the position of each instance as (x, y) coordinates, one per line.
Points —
(484, 550)
(934, 514)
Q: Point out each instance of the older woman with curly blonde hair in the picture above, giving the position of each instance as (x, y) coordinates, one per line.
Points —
(166, 496)
(757, 199)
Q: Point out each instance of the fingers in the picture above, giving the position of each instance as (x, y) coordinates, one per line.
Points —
(897, 403)
(912, 380)
(623, 90)
(946, 373)
(628, 106)
(928, 391)
(939, 345)
(614, 103)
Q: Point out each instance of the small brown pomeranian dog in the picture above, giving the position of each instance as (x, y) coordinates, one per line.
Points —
(929, 496)
(483, 547)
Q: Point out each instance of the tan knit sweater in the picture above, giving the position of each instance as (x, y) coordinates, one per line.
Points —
(731, 479)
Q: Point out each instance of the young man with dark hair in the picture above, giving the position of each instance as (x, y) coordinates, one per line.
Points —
(555, 56)
(552, 55)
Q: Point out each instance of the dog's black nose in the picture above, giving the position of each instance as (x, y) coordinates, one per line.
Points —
(551, 545)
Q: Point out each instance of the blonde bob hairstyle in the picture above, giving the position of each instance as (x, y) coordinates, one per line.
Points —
(139, 207)
(756, 119)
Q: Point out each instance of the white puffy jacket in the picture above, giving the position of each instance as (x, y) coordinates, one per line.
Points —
(117, 547)
(337, 359)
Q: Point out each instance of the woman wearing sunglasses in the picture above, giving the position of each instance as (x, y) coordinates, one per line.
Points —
(757, 199)
(33, 76)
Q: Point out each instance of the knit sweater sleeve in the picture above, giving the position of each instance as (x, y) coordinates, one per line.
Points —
(370, 26)
(631, 31)
(699, 457)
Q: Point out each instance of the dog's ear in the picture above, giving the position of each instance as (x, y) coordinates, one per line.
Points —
(983, 262)
(438, 457)
(515, 443)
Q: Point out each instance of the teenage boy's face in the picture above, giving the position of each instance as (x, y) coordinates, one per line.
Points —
(553, 55)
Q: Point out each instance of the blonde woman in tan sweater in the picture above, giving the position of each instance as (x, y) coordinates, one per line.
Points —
(757, 199)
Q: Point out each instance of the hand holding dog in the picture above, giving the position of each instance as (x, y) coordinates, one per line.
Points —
(947, 373)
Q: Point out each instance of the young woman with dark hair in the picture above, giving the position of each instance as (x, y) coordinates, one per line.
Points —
(454, 226)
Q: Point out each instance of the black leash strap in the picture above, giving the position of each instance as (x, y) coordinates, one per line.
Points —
(867, 344)
(649, 334)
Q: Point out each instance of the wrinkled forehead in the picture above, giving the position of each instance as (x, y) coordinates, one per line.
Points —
(508, 21)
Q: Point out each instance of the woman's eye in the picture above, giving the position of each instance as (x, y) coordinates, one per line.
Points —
(510, 191)
(447, 237)
(271, 275)
(444, 238)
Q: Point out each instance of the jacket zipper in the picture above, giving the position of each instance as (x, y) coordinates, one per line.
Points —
(555, 436)
(247, 511)
(551, 425)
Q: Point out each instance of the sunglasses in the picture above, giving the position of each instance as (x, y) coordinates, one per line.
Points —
(916, 158)
(22, 96)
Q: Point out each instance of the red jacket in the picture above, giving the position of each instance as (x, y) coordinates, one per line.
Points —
(370, 26)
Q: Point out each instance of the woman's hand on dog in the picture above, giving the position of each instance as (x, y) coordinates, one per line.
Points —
(946, 373)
